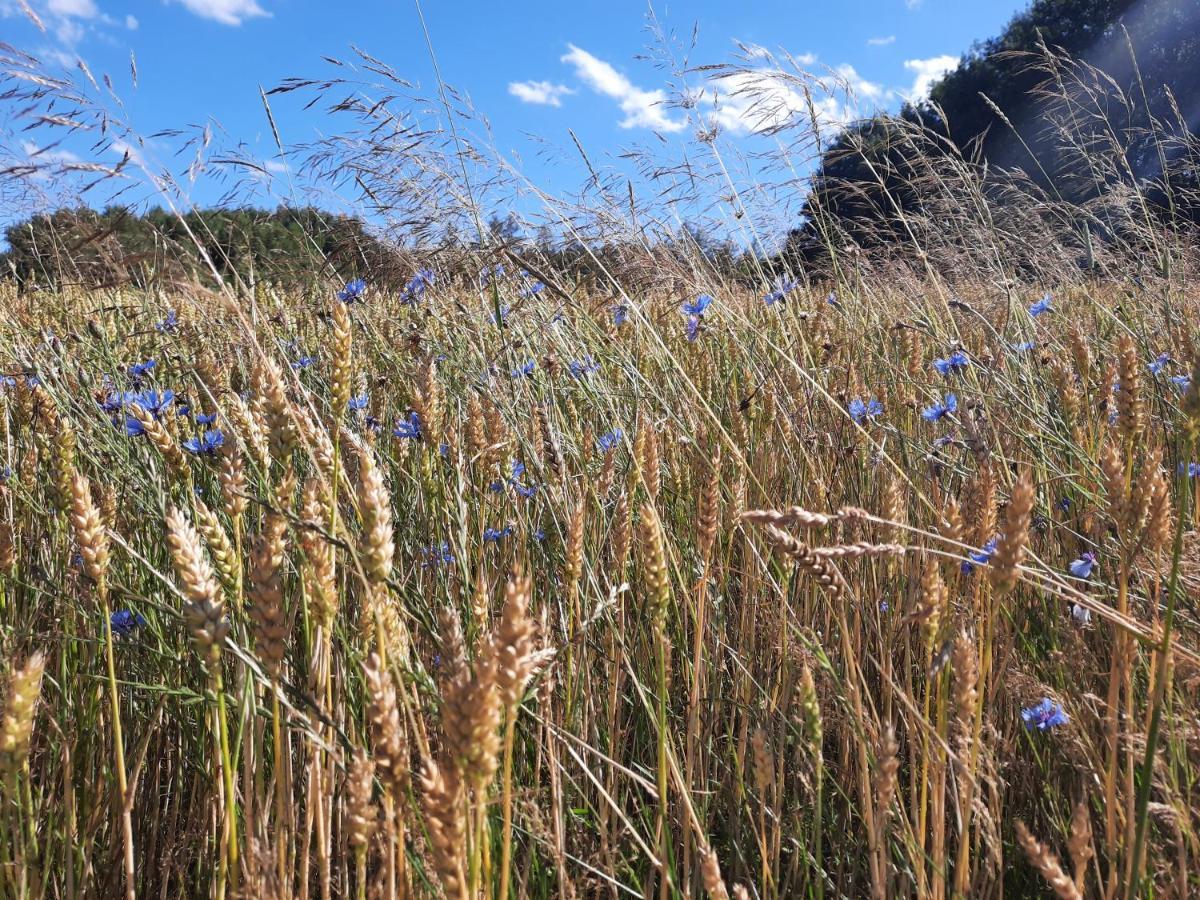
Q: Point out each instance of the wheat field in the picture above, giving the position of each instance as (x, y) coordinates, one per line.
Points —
(666, 582)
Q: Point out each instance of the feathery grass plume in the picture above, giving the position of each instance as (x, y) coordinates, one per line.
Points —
(471, 710)
(90, 533)
(1043, 859)
(1010, 550)
(573, 554)
(819, 568)
(1190, 405)
(654, 566)
(162, 440)
(475, 428)
(8, 548)
(377, 547)
(361, 817)
(710, 872)
(203, 608)
(388, 741)
(1131, 408)
(1112, 467)
(648, 460)
(233, 480)
(220, 548)
(622, 534)
(343, 365)
(1079, 843)
(266, 593)
(281, 427)
(966, 695)
(887, 766)
(708, 513)
(64, 461)
(319, 552)
(428, 403)
(514, 639)
(247, 423)
(16, 728)
(442, 794)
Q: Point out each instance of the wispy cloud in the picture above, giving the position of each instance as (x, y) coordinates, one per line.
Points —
(540, 93)
(227, 12)
(881, 41)
(643, 109)
(926, 72)
(911, 5)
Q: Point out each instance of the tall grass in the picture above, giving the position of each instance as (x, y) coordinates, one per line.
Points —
(500, 593)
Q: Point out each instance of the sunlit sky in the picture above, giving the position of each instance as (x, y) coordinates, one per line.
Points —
(533, 68)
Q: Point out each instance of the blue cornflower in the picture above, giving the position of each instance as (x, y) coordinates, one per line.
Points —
(524, 371)
(1192, 470)
(490, 272)
(500, 315)
(1065, 505)
(206, 445)
(607, 441)
(539, 535)
(940, 409)
(1083, 567)
(693, 328)
(1158, 363)
(409, 429)
(140, 370)
(353, 291)
(117, 400)
(620, 314)
(697, 306)
(5, 474)
(1024, 346)
(133, 427)
(493, 535)
(1182, 382)
(303, 362)
(415, 289)
(860, 411)
(533, 290)
(783, 287)
(982, 556)
(954, 363)
(832, 299)
(357, 403)
(124, 623)
(183, 408)
(583, 367)
(1041, 306)
(1044, 716)
(373, 423)
(154, 402)
(437, 555)
(210, 419)
(170, 323)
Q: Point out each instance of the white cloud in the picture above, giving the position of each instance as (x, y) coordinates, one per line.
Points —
(36, 154)
(911, 5)
(881, 41)
(131, 23)
(227, 12)
(755, 100)
(540, 93)
(643, 109)
(857, 85)
(926, 72)
(84, 9)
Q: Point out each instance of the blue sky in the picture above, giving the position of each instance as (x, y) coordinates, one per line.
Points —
(532, 68)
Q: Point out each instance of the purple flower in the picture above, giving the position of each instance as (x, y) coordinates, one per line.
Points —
(1191, 470)
(1082, 567)
(524, 371)
(139, 370)
(697, 306)
(693, 328)
(414, 290)
(169, 324)
(123, 622)
(409, 429)
(620, 314)
(357, 403)
(303, 362)
(1044, 715)
(583, 367)
(1182, 382)
(607, 441)
(982, 556)
(953, 364)
(860, 411)
(494, 535)
(207, 445)
(1041, 306)
(940, 409)
(783, 287)
(353, 291)
(1158, 363)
